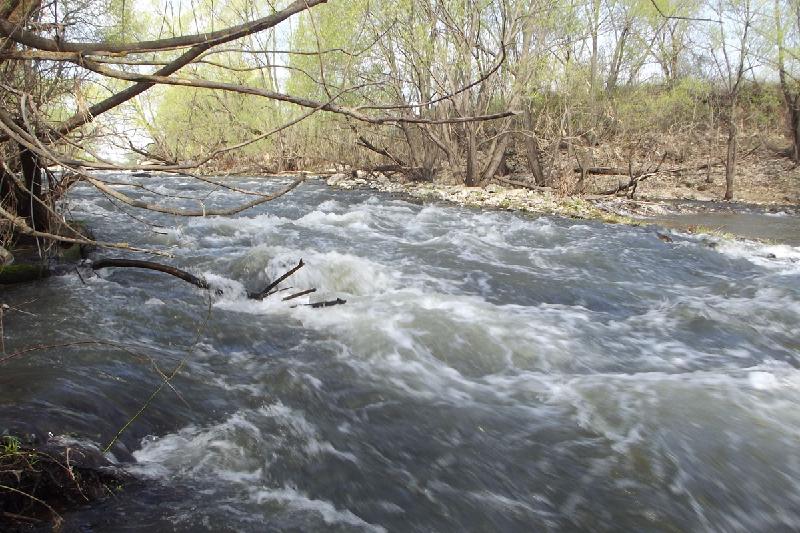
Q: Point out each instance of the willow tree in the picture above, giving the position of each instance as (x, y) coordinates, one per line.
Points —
(730, 49)
(35, 42)
(439, 62)
(786, 20)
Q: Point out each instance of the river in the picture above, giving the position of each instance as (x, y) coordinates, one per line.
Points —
(489, 372)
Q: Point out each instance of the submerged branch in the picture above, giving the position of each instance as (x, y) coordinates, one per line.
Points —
(150, 265)
(264, 293)
(201, 283)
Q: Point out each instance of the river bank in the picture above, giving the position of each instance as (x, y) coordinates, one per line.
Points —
(694, 216)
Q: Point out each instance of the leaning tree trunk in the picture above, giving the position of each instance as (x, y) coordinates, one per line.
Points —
(533, 151)
(496, 159)
(534, 154)
(795, 118)
(730, 162)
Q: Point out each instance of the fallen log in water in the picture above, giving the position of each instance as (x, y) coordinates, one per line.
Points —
(201, 283)
(299, 294)
(151, 265)
(331, 303)
(266, 292)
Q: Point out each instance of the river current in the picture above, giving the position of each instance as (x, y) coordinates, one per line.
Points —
(489, 372)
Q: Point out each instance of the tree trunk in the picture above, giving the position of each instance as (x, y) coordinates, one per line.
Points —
(795, 117)
(472, 178)
(533, 152)
(616, 61)
(24, 197)
(593, 60)
(496, 158)
(730, 162)
(30, 201)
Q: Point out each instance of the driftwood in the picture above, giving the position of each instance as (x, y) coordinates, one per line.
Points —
(521, 184)
(266, 291)
(6, 257)
(619, 171)
(633, 182)
(150, 265)
(603, 171)
(299, 294)
(330, 303)
(269, 290)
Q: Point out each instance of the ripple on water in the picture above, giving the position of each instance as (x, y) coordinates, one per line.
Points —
(490, 371)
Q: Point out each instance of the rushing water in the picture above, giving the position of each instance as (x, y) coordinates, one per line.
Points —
(489, 372)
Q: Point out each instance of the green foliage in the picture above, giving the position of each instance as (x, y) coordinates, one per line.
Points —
(190, 122)
(662, 107)
(333, 28)
(125, 24)
(762, 103)
(10, 445)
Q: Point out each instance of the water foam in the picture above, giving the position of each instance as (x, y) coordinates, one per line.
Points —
(297, 500)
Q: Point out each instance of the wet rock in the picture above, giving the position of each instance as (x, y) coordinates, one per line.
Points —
(337, 179)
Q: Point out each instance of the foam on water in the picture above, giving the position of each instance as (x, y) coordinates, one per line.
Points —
(489, 371)
(298, 501)
(779, 257)
(224, 449)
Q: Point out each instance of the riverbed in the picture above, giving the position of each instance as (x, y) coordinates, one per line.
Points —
(490, 371)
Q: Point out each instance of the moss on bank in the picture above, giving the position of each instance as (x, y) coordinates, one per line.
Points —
(22, 272)
(30, 263)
